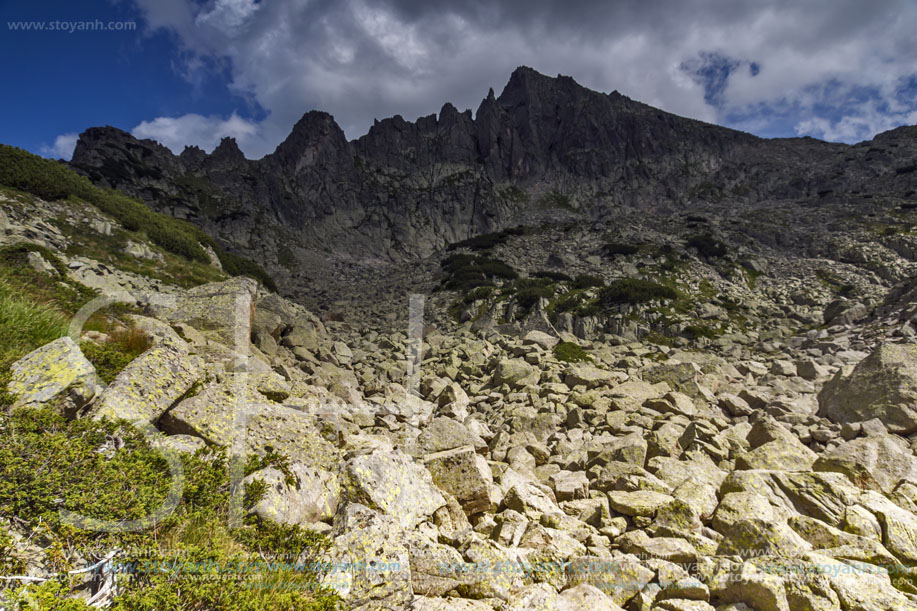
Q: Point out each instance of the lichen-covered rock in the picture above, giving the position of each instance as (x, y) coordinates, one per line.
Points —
(231, 414)
(570, 485)
(426, 603)
(530, 500)
(585, 596)
(444, 434)
(877, 462)
(745, 583)
(516, 373)
(860, 586)
(394, 484)
(302, 495)
(56, 370)
(883, 385)
(463, 474)
(590, 376)
(372, 563)
(619, 576)
(671, 549)
(433, 566)
(224, 311)
(150, 384)
(638, 502)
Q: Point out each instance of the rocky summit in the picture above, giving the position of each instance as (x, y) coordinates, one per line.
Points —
(567, 352)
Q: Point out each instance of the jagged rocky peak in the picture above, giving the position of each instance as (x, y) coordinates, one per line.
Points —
(316, 136)
(228, 153)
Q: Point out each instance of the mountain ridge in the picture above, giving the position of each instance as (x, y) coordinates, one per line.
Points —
(544, 148)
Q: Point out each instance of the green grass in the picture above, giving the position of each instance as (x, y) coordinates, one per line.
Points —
(25, 325)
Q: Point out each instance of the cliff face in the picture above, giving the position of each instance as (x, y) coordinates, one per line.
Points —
(545, 145)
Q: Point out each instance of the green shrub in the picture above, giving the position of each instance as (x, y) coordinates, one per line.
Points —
(235, 265)
(570, 353)
(585, 281)
(634, 291)
(482, 292)
(49, 463)
(707, 245)
(488, 240)
(466, 272)
(553, 276)
(698, 331)
(528, 296)
(613, 249)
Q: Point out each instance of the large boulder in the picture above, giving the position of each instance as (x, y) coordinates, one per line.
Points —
(590, 376)
(150, 384)
(56, 370)
(774, 447)
(393, 483)
(232, 414)
(878, 462)
(372, 563)
(463, 474)
(883, 385)
(516, 373)
(298, 495)
(223, 311)
(620, 576)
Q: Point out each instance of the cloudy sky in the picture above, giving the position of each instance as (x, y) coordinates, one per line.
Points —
(193, 71)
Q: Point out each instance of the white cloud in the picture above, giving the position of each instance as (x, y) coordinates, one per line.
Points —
(62, 148)
(206, 132)
(366, 59)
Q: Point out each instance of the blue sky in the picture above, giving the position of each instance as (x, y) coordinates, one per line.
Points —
(193, 71)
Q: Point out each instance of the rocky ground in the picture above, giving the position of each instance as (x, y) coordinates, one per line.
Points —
(537, 459)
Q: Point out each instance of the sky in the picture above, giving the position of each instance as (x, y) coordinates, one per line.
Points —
(189, 72)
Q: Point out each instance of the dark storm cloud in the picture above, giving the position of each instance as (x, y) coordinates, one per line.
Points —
(724, 61)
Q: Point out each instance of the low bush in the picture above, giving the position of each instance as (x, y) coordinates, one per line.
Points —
(613, 249)
(235, 265)
(570, 353)
(488, 240)
(707, 245)
(527, 297)
(585, 281)
(482, 292)
(466, 272)
(552, 276)
(698, 331)
(635, 291)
